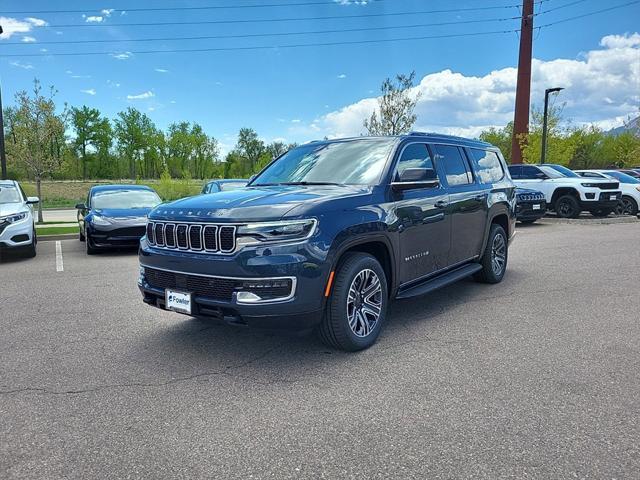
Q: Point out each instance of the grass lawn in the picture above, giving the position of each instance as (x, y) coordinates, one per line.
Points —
(43, 232)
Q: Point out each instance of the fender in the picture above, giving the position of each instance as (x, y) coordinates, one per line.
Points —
(501, 208)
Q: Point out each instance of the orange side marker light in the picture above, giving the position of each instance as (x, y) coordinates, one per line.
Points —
(327, 290)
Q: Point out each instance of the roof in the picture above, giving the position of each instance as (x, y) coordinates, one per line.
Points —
(427, 137)
(105, 188)
(228, 180)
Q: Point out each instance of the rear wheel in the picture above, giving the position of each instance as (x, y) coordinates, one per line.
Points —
(567, 207)
(357, 307)
(601, 212)
(627, 206)
(494, 258)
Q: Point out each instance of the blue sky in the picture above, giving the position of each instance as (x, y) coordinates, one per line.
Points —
(299, 94)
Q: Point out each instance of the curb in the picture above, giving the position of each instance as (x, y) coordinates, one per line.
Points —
(589, 221)
(65, 236)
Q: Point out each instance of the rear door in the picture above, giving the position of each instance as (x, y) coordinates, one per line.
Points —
(467, 203)
(423, 222)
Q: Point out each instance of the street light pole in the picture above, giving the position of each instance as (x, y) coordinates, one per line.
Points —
(543, 155)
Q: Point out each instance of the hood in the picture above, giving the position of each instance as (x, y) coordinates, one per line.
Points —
(11, 208)
(527, 191)
(121, 213)
(255, 203)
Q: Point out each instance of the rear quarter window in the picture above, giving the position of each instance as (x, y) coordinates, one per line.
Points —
(487, 165)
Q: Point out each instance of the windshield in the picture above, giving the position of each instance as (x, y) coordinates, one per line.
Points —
(352, 162)
(622, 177)
(9, 194)
(559, 168)
(227, 186)
(124, 199)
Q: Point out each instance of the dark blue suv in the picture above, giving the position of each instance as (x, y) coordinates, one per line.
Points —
(328, 233)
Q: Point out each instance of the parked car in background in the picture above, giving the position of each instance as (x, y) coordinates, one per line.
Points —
(530, 206)
(629, 186)
(17, 227)
(115, 215)
(328, 246)
(566, 192)
(632, 172)
(224, 185)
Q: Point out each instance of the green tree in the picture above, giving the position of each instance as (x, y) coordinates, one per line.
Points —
(86, 122)
(250, 147)
(36, 134)
(395, 107)
(501, 138)
(136, 134)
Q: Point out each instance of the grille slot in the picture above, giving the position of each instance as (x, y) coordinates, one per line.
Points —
(195, 237)
(159, 234)
(150, 235)
(210, 236)
(227, 238)
(169, 235)
(181, 236)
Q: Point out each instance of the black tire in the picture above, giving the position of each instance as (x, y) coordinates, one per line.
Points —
(496, 243)
(30, 251)
(627, 206)
(81, 238)
(567, 207)
(600, 212)
(355, 271)
(90, 248)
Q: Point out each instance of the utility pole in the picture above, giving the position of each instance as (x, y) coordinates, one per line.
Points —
(543, 155)
(523, 88)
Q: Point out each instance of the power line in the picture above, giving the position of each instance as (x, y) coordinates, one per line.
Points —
(170, 9)
(257, 35)
(271, 20)
(264, 47)
(615, 7)
(559, 7)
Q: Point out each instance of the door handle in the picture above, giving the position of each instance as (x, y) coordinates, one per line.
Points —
(479, 197)
(441, 204)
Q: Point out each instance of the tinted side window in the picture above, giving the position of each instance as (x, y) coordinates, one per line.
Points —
(530, 173)
(415, 155)
(487, 165)
(515, 171)
(454, 165)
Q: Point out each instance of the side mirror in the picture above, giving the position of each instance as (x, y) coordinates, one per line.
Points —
(413, 178)
(32, 200)
(541, 176)
(81, 206)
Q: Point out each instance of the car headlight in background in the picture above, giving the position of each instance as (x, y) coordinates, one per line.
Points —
(590, 185)
(275, 232)
(97, 220)
(15, 217)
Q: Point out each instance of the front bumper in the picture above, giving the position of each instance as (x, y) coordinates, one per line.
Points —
(115, 237)
(600, 199)
(18, 234)
(215, 279)
(525, 209)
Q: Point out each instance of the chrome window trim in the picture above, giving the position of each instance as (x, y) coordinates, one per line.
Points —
(294, 283)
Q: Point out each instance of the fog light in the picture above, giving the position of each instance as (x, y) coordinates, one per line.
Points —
(265, 290)
(141, 276)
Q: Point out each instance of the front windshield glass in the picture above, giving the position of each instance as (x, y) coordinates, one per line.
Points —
(623, 177)
(124, 199)
(9, 194)
(352, 162)
(563, 170)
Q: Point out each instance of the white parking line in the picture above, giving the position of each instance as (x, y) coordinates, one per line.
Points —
(59, 260)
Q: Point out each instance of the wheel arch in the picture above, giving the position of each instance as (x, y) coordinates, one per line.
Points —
(562, 191)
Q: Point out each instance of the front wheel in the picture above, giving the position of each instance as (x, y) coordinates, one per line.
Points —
(494, 258)
(567, 207)
(627, 206)
(90, 248)
(30, 251)
(357, 307)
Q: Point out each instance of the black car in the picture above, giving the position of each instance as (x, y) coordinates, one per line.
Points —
(115, 215)
(225, 185)
(332, 231)
(530, 206)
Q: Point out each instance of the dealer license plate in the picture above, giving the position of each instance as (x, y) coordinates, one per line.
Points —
(614, 197)
(177, 301)
(536, 206)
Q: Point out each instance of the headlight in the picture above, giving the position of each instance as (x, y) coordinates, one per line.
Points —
(16, 217)
(100, 221)
(275, 232)
(591, 185)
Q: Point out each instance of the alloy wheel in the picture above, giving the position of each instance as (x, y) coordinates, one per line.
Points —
(498, 254)
(364, 302)
(624, 207)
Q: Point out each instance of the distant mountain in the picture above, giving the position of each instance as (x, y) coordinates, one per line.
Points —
(632, 125)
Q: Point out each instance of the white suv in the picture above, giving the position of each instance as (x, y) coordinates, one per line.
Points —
(629, 185)
(566, 192)
(17, 230)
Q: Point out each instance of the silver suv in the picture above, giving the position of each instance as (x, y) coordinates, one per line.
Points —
(17, 229)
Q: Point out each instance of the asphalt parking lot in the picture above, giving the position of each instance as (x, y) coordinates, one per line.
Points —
(537, 377)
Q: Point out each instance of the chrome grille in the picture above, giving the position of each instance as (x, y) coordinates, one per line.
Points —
(194, 237)
(527, 197)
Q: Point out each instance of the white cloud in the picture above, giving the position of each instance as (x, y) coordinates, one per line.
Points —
(352, 2)
(28, 39)
(122, 55)
(342, 75)
(296, 120)
(106, 12)
(172, 101)
(161, 70)
(90, 91)
(19, 64)
(141, 96)
(112, 83)
(600, 87)
(12, 26)
(93, 18)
